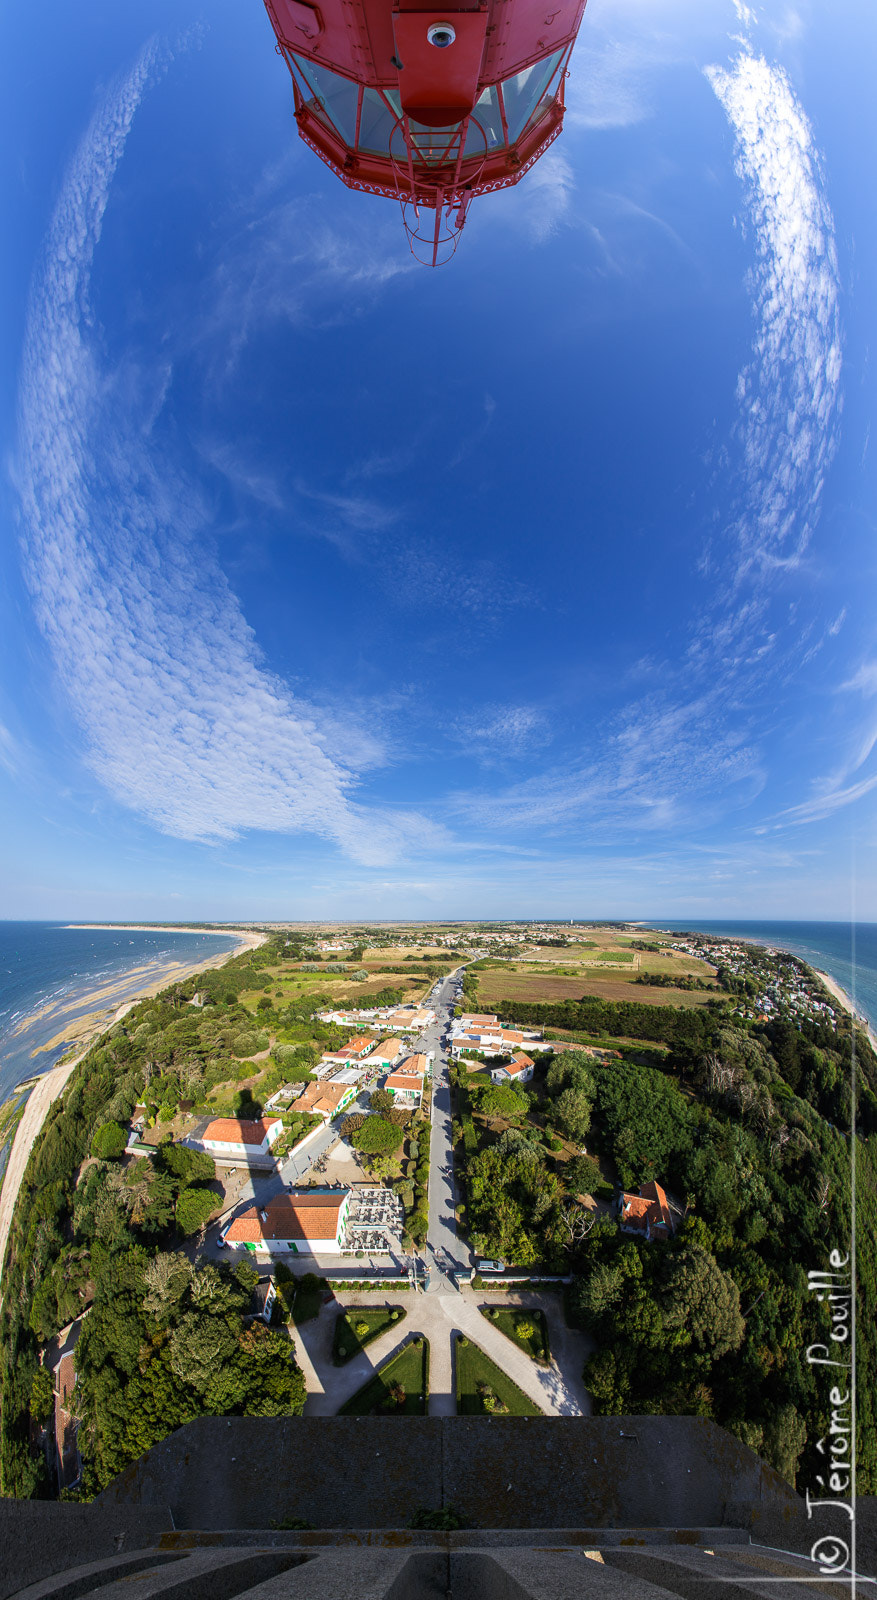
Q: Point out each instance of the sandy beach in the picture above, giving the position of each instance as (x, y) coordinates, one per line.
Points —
(843, 999)
(98, 1010)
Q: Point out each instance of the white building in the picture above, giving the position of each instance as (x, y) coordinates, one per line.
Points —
(299, 1222)
(230, 1139)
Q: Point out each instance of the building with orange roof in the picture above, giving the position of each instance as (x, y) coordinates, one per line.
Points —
(353, 1050)
(298, 1222)
(233, 1139)
(647, 1213)
(325, 1099)
(518, 1070)
(385, 1055)
(405, 1082)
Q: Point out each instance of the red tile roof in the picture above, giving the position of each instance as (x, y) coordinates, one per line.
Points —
(229, 1130)
(518, 1064)
(648, 1212)
(308, 1214)
(323, 1096)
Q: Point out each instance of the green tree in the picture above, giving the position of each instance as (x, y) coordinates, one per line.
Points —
(582, 1175)
(502, 1102)
(194, 1207)
(190, 1166)
(166, 1279)
(199, 1347)
(381, 1102)
(42, 1395)
(572, 1111)
(592, 1296)
(109, 1142)
(702, 1302)
(377, 1137)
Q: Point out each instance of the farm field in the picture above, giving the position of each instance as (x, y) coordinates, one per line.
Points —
(496, 985)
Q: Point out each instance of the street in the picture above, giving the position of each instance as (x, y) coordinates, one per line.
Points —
(444, 1253)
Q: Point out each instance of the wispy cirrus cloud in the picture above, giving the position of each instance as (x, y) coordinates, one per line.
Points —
(789, 391)
(181, 719)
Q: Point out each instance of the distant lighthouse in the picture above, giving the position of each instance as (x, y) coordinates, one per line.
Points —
(425, 106)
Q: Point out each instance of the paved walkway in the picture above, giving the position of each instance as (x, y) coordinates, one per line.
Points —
(557, 1389)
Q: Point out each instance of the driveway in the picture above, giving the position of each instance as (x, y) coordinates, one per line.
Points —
(557, 1389)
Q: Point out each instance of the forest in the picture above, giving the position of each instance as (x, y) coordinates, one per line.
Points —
(164, 1339)
(748, 1131)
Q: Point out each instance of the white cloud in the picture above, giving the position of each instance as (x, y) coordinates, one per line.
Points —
(822, 806)
(182, 721)
(789, 392)
(864, 679)
(496, 732)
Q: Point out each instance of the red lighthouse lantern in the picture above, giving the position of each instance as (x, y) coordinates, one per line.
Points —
(428, 106)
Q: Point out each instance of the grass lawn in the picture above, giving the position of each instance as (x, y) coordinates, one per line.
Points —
(410, 1368)
(308, 1299)
(510, 1319)
(357, 1326)
(473, 1367)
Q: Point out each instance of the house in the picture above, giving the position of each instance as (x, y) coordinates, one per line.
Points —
(300, 1221)
(231, 1139)
(411, 1018)
(353, 1050)
(326, 1099)
(478, 1020)
(519, 1070)
(283, 1096)
(385, 1055)
(647, 1213)
(264, 1296)
(405, 1082)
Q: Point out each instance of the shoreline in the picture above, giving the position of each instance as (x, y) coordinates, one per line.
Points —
(248, 936)
(49, 1084)
(843, 999)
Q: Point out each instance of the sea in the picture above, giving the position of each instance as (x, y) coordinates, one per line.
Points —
(51, 974)
(846, 951)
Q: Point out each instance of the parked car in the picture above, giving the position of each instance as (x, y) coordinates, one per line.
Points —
(491, 1266)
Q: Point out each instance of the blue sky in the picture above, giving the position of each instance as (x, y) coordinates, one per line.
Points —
(540, 584)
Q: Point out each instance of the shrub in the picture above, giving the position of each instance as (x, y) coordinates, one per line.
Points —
(477, 1281)
(361, 1330)
(246, 1045)
(524, 1328)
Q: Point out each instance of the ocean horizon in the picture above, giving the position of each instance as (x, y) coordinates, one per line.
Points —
(49, 970)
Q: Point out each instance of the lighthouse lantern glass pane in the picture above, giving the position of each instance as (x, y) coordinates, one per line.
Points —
(488, 114)
(337, 96)
(377, 124)
(522, 93)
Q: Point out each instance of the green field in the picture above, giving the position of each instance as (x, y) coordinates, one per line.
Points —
(410, 1368)
(357, 1326)
(474, 1368)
